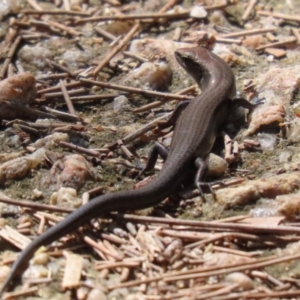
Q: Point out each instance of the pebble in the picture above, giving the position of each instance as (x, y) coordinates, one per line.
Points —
(120, 102)
(72, 171)
(244, 281)
(37, 194)
(152, 75)
(216, 165)
(289, 205)
(19, 167)
(82, 293)
(285, 156)
(4, 271)
(66, 197)
(267, 141)
(198, 12)
(293, 131)
(18, 89)
(9, 7)
(277, 53)
(96, 294)
(41, 258)
(35, 56)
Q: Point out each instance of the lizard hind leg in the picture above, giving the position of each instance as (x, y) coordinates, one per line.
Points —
(201, 171)
(158, 149)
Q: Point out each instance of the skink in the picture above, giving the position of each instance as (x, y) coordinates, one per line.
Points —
(194, 135)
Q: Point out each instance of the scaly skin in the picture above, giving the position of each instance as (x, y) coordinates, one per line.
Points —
(194, 135)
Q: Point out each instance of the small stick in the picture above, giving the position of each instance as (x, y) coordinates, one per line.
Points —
(113, 238)
(189, 235)
(197, 289)
(41, 225)
(53, 76)
(102, 150)
(134, 90)
(60, 67)
(96, 191)
(232, 251)
(296, 34)
(39, 23)
(61, 115)
(33, 4)
(228, 147)
(33, 205)
(149, 106)
(117, 48)
(228, 41)
(225, 290)
(230, 269)
(125, 150)
(124, 275)
(29, 111)
(112, 265)
(271, 37)
(24, 225)
(177, 34)
(266, 295)
(276, 44)
(50, 217)
(168, 5)
(135, 56)
(55, 12)
(35, 36)
(93, 97)
(111, 249)
(235, 149)
(9, 56)
(67, 5)
(20, 24)
(248, 10)
(23, 292)
(189, 272)
(105, 34)
(232, 219)
(248, 32)
(30, 130)
(79, 149)
(115, 41)
(98, 245)
(65, 28)
(57, 87)
(67, 98)
(152, 16)
(216, 226)
(14, 237)
(279, 16)
(218, 6)
(76, 92)
(132, 136)
(159, 103)
(38, 281)
(265, 275)
(36, 125)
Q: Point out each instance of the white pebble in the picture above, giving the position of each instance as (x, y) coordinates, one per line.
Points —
(198, 12)
(41, 259)
(244, 281)
(37, 194)
(96, 294)
(120, 102)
